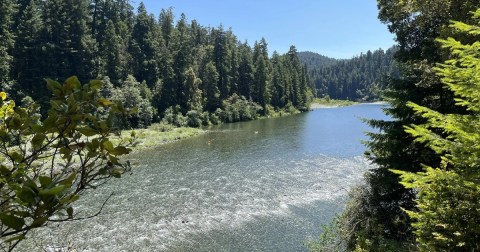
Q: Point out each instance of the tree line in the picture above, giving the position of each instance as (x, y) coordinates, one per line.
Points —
(361, 78)
(200, 74)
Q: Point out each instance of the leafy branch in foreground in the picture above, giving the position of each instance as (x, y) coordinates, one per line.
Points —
(47, 165)
(448, 196)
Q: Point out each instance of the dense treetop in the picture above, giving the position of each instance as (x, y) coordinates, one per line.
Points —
(168, 63)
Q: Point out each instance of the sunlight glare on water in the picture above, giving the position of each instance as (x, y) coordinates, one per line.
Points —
(265, 185)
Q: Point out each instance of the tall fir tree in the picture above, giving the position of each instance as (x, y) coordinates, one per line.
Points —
(261, 74)
(245, 71)
(379, 209)
(28, 55)
(7, 10)
(447, 214)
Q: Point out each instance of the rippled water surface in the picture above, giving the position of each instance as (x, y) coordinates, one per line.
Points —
(266, 185)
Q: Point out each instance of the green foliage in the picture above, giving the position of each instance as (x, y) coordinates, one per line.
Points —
(360, 78)
(314, 60)
(194, 118)
(179, 62)
(448, 195)
(328, 240)
(416, 25)
(7, 9)
(174, 116)
(326, 101)
(47, 164)
(237, 108)
(136, 98)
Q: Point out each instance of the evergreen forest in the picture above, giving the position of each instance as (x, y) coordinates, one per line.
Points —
(178, 71)
(361, 78)
(61, 137)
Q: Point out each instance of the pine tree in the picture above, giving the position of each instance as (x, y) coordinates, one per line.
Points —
(222, 59)
(181, 44)
(115, 58)
(145, 47)
(69, 46)
(380, 217)
(278, 98)
(245, 71)
(211, 93)
(7, 10)
(260, 89)
(448, 195)
(28, 55)
(192, 90)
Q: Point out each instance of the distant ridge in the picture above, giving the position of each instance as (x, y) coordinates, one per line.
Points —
(315, 60)
(361, 78)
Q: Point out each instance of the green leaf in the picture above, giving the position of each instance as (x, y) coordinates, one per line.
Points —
(72, 83)
(27, 195)
(53, 191)
(12, 221)
(4, 171)
(15, 238)
(108, 146)
(66, 151)
(120, 150)
(104, 102)
(39, 221)
(113, 159)
(96, 84)
(87, 131)
(70, 212)
(15, 156)
(45, 181)
(54, 86)
(69, 180)
(37, 140)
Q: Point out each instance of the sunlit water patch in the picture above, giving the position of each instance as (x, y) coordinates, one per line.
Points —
(258, 186)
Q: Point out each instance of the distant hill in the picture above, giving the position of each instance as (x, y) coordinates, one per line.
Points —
(315, 60)
(360, 78)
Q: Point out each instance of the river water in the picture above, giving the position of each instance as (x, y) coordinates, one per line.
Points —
(265, 185)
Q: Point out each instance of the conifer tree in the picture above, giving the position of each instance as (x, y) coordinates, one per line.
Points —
(115, 58)
(27, 67)
(145, 47)
(260, 90)
(7, 10)
(210, 88)
(278, 82)
(245, 71)
(448, 195)
(379, 210)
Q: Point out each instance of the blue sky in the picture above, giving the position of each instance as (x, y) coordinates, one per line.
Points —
(335, 28)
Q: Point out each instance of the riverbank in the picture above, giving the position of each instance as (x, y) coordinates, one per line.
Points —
(330, 103)
(162, 133)
(157, 134)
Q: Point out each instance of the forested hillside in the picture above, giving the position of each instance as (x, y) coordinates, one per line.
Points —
(198, 75)
(315, 60)
(360, 78)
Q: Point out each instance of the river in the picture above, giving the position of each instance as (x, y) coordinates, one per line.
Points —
(265, 185)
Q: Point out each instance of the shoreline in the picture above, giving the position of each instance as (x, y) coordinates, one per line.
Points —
(340, 103)
(155, 136)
